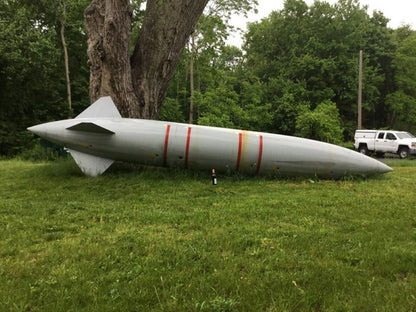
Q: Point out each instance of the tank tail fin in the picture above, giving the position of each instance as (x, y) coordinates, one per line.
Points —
(104, 107)
(89, 164)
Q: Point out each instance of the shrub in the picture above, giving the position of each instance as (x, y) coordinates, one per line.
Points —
(323, 123)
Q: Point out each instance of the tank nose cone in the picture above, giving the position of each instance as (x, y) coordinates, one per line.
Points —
(370, 165)
(383, 168)
(39, 130)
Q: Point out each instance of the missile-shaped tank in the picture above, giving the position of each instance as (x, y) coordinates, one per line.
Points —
(99, 136)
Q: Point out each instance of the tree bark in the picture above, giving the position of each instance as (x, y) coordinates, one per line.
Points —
(138, 84)
(109, 27)
(165, 30)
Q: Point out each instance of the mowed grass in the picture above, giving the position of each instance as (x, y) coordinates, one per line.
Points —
(147, 239)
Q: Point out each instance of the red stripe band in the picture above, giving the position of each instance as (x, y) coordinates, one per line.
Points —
(188, 141)
(260, 154)
(240, 145)
(165, 150)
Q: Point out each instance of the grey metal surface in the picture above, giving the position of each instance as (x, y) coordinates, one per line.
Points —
(160, 143)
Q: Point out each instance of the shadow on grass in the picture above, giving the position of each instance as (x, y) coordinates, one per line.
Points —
(61, 168)
(64, 168)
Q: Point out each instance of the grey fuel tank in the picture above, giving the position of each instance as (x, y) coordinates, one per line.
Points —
(99, 136)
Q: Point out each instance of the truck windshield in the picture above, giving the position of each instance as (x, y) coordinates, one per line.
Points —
(405, 135)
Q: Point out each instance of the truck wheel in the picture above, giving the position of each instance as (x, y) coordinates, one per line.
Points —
(403, 152)
(363, 149)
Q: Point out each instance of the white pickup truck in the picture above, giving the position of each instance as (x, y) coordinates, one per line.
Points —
(385, 141)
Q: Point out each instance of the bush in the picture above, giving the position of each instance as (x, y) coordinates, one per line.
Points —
(323, 123)
(43, 151)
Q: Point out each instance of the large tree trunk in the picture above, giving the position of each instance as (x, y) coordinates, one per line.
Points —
(138, 84)
(109, 27)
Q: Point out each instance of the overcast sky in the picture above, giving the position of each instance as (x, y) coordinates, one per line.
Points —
(398, 11)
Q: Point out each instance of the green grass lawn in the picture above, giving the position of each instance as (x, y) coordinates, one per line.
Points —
(152, 239)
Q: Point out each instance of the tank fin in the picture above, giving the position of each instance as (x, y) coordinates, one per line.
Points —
(89, 164)
(90, 127)
(104, 107)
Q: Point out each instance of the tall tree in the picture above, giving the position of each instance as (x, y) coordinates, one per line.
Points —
(138, 84)
(63, 21)
(401, 104)
(307, 55)
(65, 16)
(202, 57)
(32, 71)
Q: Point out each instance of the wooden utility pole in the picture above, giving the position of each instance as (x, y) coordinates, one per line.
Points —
(360, 91)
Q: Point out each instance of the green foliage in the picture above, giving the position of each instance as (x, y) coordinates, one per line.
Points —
(32, 74)
(12, 138)
(287, 101)
(43, 150)
(258, 114)
(151, 239)
(294, 60)
(215, 69)
(405, 62)
(28, 77)
(224, 107)
(402, 107)
(323, 123)
(309, 54)
(219, 108)
(171, 111)
(401, 104)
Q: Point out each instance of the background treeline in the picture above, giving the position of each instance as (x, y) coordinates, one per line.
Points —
(296, 74)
